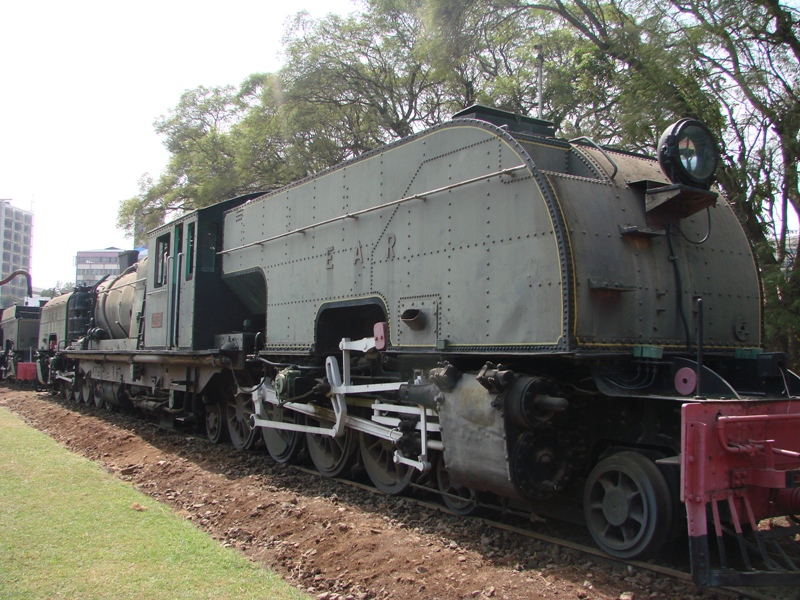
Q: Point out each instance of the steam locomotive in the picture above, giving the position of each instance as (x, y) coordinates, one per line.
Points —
(522, 320)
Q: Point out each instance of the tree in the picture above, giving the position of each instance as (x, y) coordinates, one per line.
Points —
(201, 166)
(58, 289)
(489, 53)
(349, 85)
(367, 68)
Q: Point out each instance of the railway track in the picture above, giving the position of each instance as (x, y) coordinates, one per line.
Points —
(655, 568)
(513, 523)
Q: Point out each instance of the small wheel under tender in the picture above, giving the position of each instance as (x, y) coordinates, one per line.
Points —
(385, 474)
(238, 412)
(99, 394)
(461, 500)
(330, 455)
(284, 446)
(87, 391)
(74, 390)
(216, 427)
(627, 505)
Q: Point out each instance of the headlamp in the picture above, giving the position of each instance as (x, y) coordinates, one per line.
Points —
(688, 153)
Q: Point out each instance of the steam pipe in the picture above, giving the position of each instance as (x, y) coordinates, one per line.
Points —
(27, 277)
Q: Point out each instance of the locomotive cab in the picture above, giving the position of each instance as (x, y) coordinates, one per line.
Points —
(188, 304)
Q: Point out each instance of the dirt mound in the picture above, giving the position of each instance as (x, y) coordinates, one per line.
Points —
(328, 539)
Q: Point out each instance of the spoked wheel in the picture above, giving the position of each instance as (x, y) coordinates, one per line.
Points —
(238, 413)
(77, 383)
(86, 391)
(283, 446)
(461, 500)
(122, 393)
(626, 502)
(330, 455)
(74, 391)
(99, 398)
(216, 428)
(378, 457)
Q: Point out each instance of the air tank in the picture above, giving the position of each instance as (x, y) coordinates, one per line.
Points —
(115, 302)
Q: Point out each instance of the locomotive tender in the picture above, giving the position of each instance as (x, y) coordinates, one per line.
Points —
(524, 320)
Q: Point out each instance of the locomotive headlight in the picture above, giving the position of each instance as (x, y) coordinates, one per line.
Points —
(688, 154)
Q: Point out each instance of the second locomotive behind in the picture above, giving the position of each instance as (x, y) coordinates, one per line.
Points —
(529, 320)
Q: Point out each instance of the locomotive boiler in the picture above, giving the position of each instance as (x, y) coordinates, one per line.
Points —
(515, 319)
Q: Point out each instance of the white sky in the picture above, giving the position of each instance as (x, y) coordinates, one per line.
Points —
(81, 84)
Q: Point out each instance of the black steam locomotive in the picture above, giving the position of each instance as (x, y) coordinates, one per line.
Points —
(528, 321)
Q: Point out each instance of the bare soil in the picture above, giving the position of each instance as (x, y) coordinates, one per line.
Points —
(331, 540)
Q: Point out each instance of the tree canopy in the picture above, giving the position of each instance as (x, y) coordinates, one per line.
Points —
(617, 71)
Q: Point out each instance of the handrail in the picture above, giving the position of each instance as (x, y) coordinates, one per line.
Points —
(749, 447)
(595, 145)
(356, 214)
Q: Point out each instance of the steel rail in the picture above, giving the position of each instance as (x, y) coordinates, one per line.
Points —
(683, 576)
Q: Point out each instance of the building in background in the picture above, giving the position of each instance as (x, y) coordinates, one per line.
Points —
(16, 226)
(92, 266)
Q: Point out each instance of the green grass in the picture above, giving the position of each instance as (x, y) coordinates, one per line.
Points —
(67, 530)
